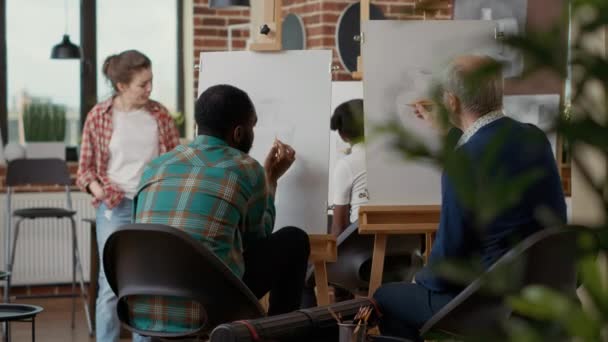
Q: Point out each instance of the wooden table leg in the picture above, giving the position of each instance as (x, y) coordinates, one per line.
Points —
(375, 279)
(93, 272)
(321, 281)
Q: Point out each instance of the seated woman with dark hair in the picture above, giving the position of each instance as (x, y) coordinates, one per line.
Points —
(350, 175)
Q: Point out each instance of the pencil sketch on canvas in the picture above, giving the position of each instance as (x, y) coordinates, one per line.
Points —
(292, 105)
(395, 76)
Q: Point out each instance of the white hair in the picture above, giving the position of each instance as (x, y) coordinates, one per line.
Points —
(479, 87)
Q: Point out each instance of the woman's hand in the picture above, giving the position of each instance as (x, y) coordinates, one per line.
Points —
(97, 190)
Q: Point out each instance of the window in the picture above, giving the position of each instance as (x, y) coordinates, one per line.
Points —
(147, 26)
(33, 27)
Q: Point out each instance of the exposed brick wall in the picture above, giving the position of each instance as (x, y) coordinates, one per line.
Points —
(321, 22)
(320, 18)
(211, 30)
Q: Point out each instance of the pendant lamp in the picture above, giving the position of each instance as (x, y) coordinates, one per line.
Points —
(66, 49)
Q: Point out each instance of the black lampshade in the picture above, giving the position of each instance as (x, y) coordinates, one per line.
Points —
(65, 50)
(228, 3)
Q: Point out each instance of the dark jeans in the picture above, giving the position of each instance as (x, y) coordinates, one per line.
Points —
(278, 264)
(406, 307)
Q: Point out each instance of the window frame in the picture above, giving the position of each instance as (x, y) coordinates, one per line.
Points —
(88, 62)
(3, 76)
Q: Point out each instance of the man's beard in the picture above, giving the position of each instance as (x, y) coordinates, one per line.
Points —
(245, 144)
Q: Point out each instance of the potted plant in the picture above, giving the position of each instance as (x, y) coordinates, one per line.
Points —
(44, 129)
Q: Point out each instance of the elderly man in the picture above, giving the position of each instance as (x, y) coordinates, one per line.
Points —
(472, 94)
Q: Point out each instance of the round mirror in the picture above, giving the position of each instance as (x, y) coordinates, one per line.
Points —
(348, 31)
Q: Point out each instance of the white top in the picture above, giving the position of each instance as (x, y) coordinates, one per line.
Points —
(134, 143)
(350, 181)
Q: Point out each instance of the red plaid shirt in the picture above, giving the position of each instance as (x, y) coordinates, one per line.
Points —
(95, 149)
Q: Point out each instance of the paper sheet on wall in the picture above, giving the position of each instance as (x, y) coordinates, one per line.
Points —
(539, 110)
(510, 17)
(291, 91)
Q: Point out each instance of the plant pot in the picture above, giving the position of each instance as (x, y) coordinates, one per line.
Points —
(51, 149)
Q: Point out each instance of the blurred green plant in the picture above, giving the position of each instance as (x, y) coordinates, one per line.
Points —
(180, 122)
(44, 121)
(540, 314)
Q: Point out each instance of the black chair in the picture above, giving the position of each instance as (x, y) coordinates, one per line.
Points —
(41, 172)
(352, 269)
(158, 260)
(546, 258)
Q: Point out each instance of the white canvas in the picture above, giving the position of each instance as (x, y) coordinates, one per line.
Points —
(291, 91)
(341, 92)
(401, 60)
(539, 110)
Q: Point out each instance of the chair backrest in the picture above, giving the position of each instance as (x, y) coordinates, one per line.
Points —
(48, 171)
(546, 258)
(158, 260)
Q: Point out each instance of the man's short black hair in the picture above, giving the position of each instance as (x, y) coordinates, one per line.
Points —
(348, 120)
(221, 108)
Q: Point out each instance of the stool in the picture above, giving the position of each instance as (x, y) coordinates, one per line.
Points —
(19, 313)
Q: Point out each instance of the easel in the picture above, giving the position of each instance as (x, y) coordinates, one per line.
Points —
(266, 25)
(322, 250)
(358, 75)
(265, 33)
(385, 220)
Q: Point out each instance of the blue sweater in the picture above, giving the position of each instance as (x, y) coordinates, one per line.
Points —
(518, 148)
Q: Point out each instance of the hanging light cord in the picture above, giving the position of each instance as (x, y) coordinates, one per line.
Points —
(65, 8)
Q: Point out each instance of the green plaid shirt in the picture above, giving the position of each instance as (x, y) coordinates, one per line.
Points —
(215, 193)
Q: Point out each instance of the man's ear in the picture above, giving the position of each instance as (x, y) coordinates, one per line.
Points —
(453, 103)
(237, 134)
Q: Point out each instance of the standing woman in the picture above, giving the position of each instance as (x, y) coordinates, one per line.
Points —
(120, 135)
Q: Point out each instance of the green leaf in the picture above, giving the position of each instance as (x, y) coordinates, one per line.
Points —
(587, 131)
(592, 281)
(522, 331)
(545, 304)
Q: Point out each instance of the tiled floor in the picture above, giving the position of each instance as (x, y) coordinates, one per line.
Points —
(54, 323)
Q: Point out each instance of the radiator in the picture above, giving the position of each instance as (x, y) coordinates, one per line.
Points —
(44, 248)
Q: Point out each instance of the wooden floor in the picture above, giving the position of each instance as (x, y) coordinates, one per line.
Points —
(54, 323)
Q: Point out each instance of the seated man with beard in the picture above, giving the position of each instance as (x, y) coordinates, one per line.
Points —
(213, 190)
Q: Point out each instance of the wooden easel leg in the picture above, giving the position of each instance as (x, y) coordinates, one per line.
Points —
(375, 279)
(321, 281)
(428, 238)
